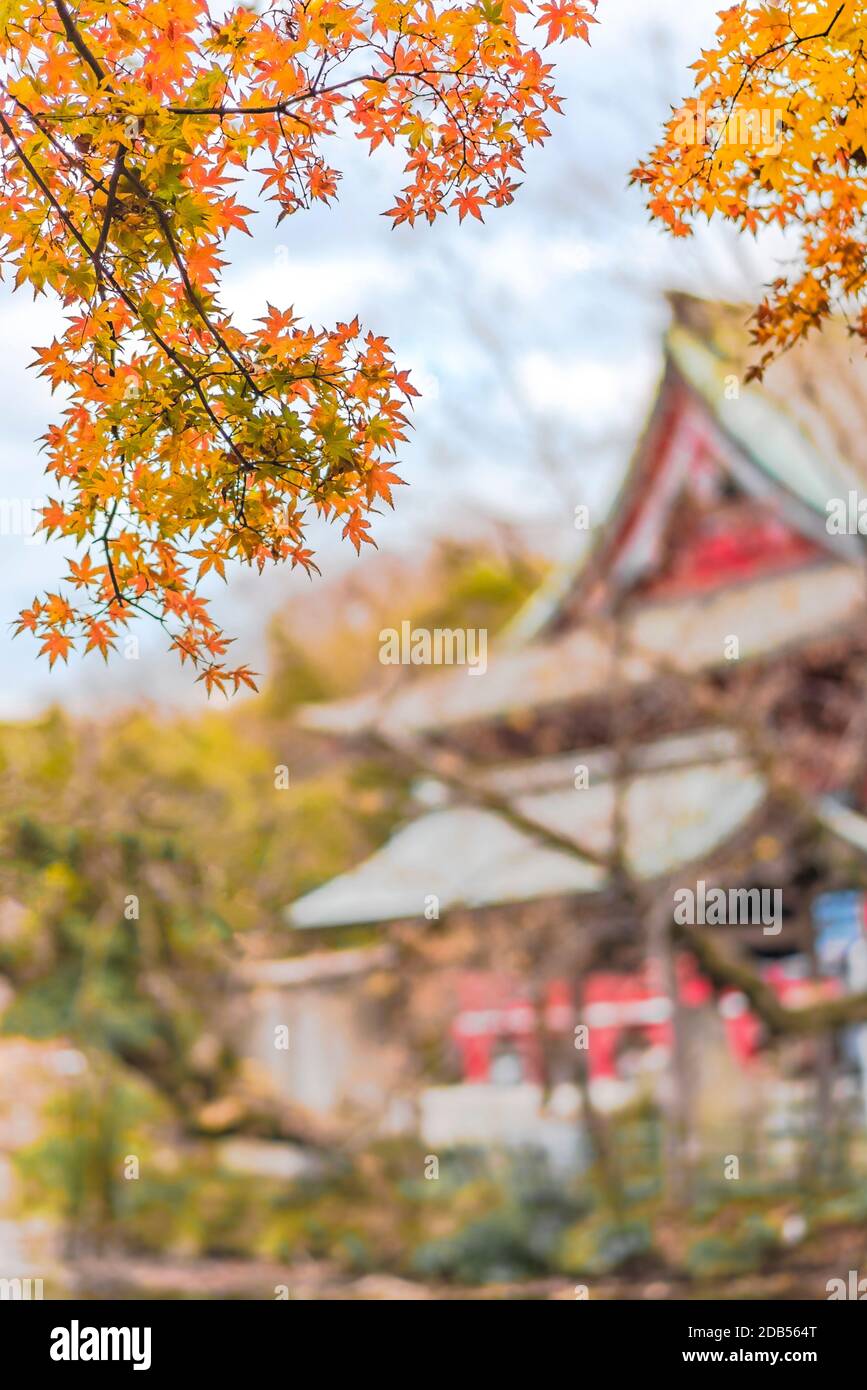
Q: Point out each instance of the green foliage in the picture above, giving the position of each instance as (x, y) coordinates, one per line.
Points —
(738, 1251)
(603, 1245)
(120, 913)
(75, 1171)
(497, 1249)
(517, 1238)
(843, 1208)
(480, 591)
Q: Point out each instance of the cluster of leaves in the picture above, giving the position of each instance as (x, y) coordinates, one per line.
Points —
(189, 443)
(776, 136)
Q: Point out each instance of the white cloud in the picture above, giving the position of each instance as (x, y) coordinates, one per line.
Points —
(320, 288)
(585, 388)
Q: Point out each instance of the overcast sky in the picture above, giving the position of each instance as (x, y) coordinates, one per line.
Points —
(534, 339)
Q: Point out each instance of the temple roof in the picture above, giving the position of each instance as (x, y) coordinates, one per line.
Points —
(798, 436)
(673, 813)
(767, 615)
(787, 444)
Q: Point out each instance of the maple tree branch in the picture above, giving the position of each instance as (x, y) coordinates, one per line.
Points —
(104, 541)
(75, 38)
(133, 178)
(212, 459)
(111, 201)
(43, 186)
(38, 120)
(284, 107)
(130, 303)
(192, 293)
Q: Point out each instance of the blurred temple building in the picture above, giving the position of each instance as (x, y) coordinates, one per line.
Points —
(686, 702)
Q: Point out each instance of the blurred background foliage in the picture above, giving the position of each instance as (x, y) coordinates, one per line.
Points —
(508, 1223)
(142, 857)
(183, 814)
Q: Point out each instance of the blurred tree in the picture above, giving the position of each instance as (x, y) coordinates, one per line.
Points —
(142, 857)
(123, 915)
